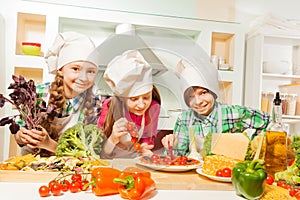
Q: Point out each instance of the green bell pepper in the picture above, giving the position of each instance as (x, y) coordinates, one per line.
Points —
(248, 178)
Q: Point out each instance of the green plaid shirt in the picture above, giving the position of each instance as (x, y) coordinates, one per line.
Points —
(235, 118)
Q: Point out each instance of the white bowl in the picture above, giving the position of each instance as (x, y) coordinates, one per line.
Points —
(276, 67)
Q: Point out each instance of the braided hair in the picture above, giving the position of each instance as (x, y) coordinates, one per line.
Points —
(58, 101)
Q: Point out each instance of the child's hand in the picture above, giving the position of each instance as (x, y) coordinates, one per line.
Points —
(145, 149)
(169, 139)
(119, 130)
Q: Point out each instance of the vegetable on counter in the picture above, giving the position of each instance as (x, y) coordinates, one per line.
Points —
(248, 178)
(135, 183)
(80, 141)
(102, 181)
(292, 174)
(32, 110)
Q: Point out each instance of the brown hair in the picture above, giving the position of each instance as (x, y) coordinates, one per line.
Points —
(115, 111)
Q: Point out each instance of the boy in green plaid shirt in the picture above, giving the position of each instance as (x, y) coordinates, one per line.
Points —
(205, 114)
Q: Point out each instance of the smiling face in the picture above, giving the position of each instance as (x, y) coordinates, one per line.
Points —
(139, 104)
(200, 100)
(78, 77)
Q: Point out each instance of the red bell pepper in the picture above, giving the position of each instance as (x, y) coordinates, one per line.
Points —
(102, 181)
(135, 183)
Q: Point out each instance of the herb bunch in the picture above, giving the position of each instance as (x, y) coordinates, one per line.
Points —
(32, 110)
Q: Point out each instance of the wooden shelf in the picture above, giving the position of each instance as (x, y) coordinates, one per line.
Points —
(36, 74)
(30, 28)
(223, 46)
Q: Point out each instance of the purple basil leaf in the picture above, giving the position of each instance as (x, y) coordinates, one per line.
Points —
(2, 100)
(6, 120)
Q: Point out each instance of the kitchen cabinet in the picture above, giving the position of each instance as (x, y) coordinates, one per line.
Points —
(34, 23)
(272, 65)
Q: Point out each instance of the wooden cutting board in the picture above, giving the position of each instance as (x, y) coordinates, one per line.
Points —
(189, 180)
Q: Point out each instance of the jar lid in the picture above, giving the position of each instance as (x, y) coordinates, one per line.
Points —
(31, 44)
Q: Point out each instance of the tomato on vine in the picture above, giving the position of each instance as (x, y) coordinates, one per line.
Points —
(51, 183)
(82, 184)
(65, 185)
(44, 191)
(74, 187)
(76, 177)
(56, 189)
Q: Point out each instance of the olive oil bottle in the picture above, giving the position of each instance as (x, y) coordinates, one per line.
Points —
(276, 140)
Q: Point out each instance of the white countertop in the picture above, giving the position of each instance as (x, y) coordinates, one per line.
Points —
(29, 191)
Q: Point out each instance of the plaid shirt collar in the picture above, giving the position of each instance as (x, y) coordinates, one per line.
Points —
(77, 101)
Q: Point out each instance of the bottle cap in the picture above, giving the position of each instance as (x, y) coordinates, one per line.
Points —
(277, 100)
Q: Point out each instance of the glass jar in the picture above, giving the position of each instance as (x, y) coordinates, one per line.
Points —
(264, 102)
(291, 104)
(270, 98)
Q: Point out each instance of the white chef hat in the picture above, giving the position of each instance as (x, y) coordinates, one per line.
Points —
(69, 47)
(203, 75)
(129, 74)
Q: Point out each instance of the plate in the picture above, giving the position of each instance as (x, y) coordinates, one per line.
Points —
(215, 178)
(167, 168)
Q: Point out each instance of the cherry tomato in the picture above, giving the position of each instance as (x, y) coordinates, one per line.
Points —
(155, 157)
(226, 172)
(137, 146)
(167, 161)
(297, 189)
(292, 192)
(76, 177)
(281, 183)
(297, 195)
(65, 185)
(51, 183)
(44, 191)
(83, 183)
(270, 179)
(133, 140)
(182, 162)
(74, 187)
(56, 189)
(183, 158)
(219, 173)
(291, 162)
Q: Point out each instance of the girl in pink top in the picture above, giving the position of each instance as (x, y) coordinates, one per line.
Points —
(131, 115)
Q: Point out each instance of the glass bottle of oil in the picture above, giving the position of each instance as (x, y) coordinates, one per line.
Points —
(276, 140)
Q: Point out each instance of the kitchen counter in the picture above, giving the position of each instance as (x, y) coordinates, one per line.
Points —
(29, 191)
(178, 185)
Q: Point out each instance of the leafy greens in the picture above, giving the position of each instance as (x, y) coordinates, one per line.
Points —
(32, 109)
(81, 141)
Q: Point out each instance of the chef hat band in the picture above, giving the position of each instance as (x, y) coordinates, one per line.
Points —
(69, 47)
(190, 75)
(129, 74)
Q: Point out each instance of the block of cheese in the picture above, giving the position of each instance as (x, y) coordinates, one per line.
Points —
(233, 145)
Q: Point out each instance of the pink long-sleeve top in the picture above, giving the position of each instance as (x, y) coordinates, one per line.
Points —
(151, 120)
